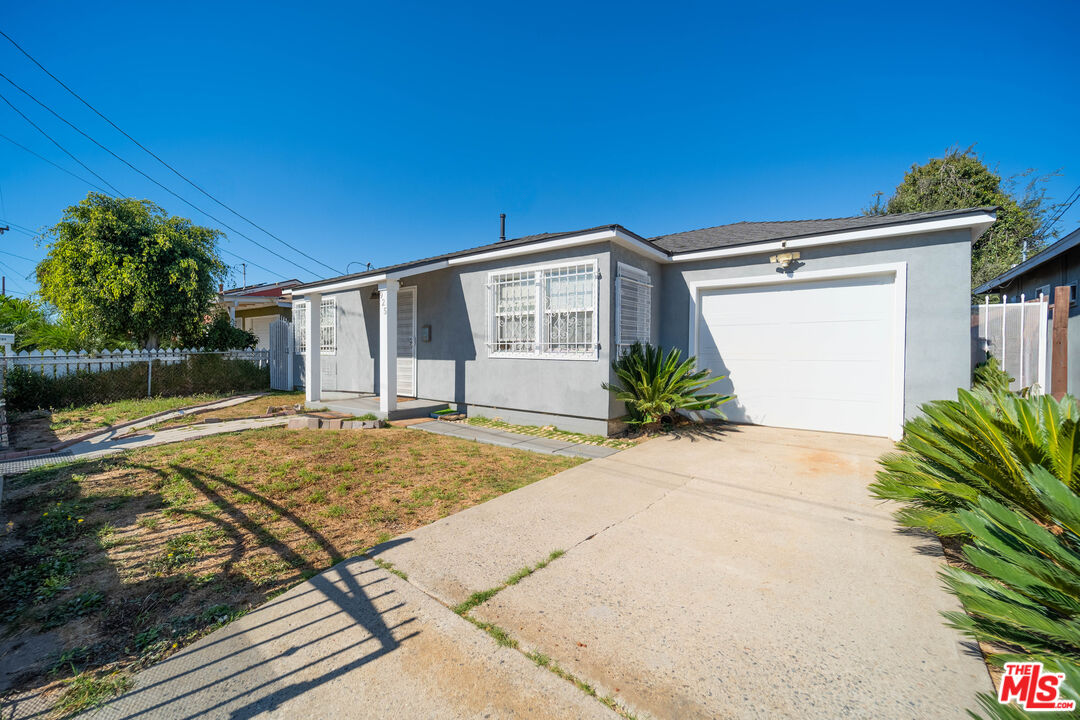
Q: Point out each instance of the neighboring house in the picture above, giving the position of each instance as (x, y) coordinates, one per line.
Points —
(254, 307)
(1056, 265)
(871, 320)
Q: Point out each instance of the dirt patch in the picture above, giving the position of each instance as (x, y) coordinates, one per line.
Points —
(252, 408)
(127, 559)
(823, 462)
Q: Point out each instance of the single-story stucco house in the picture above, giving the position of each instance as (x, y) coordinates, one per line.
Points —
(254, 307)
(843, 325)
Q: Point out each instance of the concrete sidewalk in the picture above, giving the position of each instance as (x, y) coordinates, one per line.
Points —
(493, 436)
(353, 642)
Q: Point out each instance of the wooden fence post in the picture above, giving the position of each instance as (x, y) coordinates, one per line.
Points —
(1059, 354)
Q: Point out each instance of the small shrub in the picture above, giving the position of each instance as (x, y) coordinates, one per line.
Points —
(653, 385)
(26, 390)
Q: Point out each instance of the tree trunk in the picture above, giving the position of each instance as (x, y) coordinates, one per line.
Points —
(151, 341)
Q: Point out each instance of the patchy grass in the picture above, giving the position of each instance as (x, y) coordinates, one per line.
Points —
(41, 428)
(389, 567)
(76, 420)
(88, 690)
(548, 664)
(481, 597)
(131, 557)
(251, 408)
(554, 433)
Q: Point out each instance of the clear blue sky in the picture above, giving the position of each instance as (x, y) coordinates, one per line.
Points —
(391, 131)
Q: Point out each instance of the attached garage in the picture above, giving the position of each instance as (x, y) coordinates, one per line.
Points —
(812, 350)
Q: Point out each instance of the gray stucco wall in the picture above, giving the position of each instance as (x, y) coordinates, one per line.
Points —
(1062, 270)
(454, 365)
(938, 354)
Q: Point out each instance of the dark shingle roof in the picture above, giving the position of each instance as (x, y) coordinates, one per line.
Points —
(743, 233)
(526, 240)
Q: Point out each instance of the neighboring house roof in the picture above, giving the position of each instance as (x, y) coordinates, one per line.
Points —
(1043, 256)
(262, 290)
(668, 247)
(742, 233)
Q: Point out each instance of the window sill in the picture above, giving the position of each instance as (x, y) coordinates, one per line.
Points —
(593, 357)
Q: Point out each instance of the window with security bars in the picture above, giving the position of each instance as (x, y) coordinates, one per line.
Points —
(299, 314)
(633, 307)
(328, 325)
(547, 312)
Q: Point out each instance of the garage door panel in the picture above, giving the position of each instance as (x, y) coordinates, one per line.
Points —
(815, 355)
(818, 341)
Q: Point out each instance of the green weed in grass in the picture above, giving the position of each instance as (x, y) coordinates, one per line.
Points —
(88, 690)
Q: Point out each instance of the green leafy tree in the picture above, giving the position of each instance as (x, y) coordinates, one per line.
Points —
(38, 327)
(961, 179)
(220, 334)
(126, 267)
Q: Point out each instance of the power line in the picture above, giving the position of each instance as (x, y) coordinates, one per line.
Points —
(158, 158)
(140, 172)
(5, 252)
(1065, 206)
(84, 166)
(58, 167)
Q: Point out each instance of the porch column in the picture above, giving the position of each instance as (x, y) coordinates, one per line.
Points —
(312, 355)
(388, 296)
(232, 314)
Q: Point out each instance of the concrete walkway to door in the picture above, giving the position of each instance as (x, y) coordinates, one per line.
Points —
(745, 575)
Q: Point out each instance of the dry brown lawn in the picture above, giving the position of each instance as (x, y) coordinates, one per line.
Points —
(117, 563)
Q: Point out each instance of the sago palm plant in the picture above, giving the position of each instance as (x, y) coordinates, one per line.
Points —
(1025, 598)
(653, 384)
(979, 446)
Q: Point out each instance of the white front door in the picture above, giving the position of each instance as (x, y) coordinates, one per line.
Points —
(406, 342)
(817, 355)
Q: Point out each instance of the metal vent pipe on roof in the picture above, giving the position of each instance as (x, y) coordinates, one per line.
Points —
(502, 227)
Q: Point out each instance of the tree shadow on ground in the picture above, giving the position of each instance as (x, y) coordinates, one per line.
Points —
(135, 611)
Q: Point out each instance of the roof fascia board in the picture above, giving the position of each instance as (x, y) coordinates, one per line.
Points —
(645, 248)
(532, 248)
(1057, 249)
(978, 222)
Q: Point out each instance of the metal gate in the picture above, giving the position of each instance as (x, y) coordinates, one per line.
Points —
(281, 355)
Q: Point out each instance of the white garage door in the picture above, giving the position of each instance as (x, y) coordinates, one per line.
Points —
(816, 355)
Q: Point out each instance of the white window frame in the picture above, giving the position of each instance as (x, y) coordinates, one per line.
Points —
(537, 271)
(637, 276)
(328, 325)
(301, 317)
(300, 310)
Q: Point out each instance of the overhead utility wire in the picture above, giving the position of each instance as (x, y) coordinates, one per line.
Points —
(154, 155)
(26, 231)
(55, 165)
(66, 152)
(160, 185)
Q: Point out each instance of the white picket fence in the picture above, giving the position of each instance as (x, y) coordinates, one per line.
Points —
(56, 363)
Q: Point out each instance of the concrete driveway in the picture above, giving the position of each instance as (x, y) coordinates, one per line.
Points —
(741, 575)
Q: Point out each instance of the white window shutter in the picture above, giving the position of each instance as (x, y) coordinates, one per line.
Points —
(633, 307)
